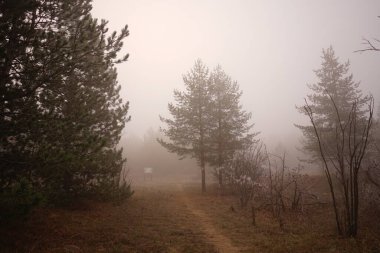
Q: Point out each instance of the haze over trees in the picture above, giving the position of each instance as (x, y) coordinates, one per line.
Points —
(208, 121)
(190, 126)
(147, 152)
(334, 82)
(64, 176)
(339, 136)
(232, 130)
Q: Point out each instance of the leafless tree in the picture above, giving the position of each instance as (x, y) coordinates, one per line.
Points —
(276, 177)
(300, 190)
(342, 162)
(244, 172)
(373, 45)
(373, 171)
(371, 176)
(295, 178)
(370, 45)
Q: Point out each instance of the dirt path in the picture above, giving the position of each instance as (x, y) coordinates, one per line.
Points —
(214, 236)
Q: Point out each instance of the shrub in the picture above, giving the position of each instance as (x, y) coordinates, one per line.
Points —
(17, 200)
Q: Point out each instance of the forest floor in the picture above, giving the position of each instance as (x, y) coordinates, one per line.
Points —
(177, 218)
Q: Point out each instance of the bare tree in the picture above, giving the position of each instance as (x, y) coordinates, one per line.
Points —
(243, 173)
(342, 161)
(372, 174)
(276, 177)
(245, 170)
(295, 179)
(374, 179)
(371, 177)
(370, 45)
(373, 45)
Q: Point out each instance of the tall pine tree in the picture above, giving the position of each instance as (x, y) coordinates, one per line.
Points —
(232, 128)
(60, 97)
(189, 128)
(208, 122)
(336, 83)
(338, 136)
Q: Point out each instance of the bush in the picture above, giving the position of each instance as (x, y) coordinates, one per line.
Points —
(121, 193)
(17, 201)
(117, 189)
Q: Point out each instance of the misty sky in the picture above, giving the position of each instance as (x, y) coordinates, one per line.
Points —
(269, 47)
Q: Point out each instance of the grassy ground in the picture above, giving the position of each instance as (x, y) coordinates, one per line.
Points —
(313, 231)
(177, 219)
(151, 221)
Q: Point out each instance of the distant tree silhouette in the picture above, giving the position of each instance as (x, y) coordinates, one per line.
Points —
(334, 81)
(208, 122)
(232, 127)
(188, 130)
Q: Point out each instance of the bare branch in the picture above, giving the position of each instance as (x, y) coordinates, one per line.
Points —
(370, 46)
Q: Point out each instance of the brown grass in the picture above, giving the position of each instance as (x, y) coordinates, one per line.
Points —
(151, 221)
(157, 219)
(312, 231)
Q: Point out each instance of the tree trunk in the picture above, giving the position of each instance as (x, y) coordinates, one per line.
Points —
(253, 216)
(203, 179)
(221, 181)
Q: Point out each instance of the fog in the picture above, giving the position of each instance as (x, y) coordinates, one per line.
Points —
(269, 47)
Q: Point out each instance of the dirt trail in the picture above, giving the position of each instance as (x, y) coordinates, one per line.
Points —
(222, 243)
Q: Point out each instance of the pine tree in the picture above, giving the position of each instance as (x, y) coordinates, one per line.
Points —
(208, 121)
(24, 29)
(337, 84)
(338, 136)
(232, 127)
(63, 101)
(86, 107)
(189, 128)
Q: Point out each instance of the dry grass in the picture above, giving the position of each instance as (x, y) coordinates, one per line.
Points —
(156, 219)
(151, 221)
(313, 231)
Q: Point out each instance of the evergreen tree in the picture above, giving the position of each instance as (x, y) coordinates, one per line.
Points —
(24, 29)
(208, 121)
(335, 84)
(88, 111)
(232, 128)
(60, 107)
(338, 136)
(189, 128)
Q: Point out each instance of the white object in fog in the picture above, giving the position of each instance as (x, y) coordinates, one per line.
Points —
(148, 172)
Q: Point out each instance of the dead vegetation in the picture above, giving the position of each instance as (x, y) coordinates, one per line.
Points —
(151, 221)
(312, 230)
(168, 219)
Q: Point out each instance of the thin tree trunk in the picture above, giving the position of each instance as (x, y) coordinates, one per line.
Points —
(356, 206)
(253, 215)
(203, 179)
(220, 174)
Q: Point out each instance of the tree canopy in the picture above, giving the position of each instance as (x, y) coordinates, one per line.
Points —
(208, 122)
(335, 83)
(61, 113)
